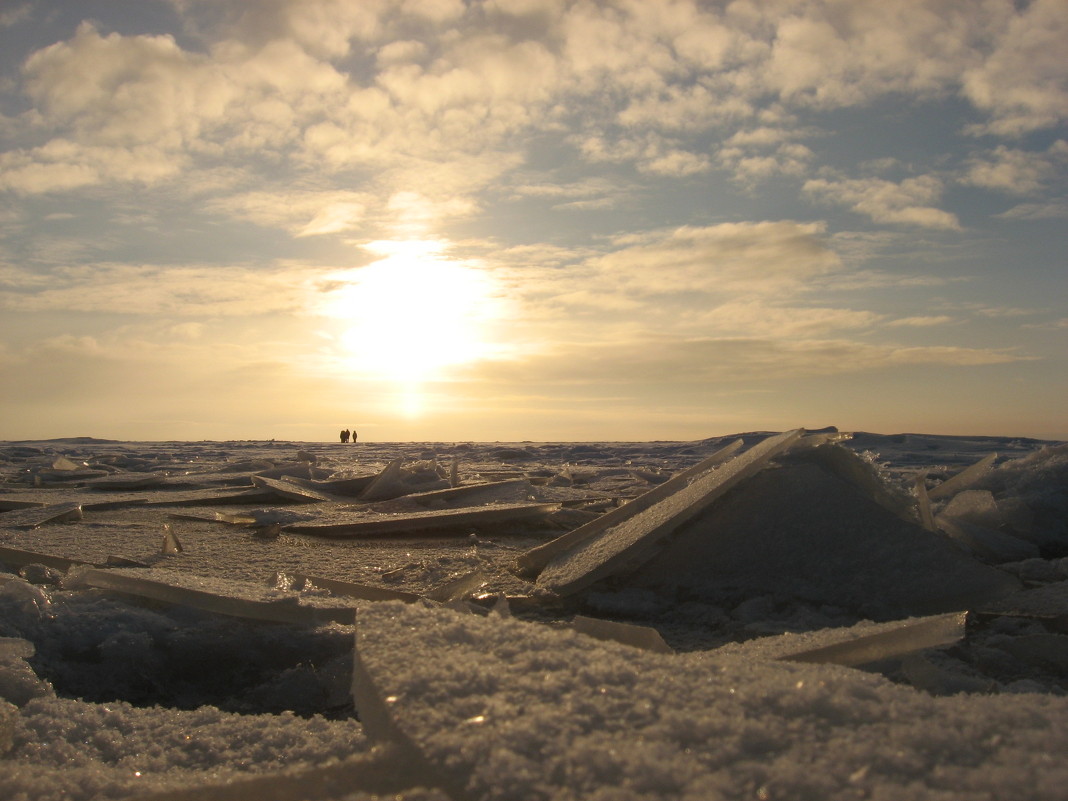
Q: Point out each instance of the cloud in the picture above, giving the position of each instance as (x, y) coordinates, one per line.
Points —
(1051, 210)
(1023, 81)
(300, 212)
(885, 201)
(668, 361)
(15, 14)
(1018, 172)
(922, 321)
(759, 318)
(139, 290)
(762, 257)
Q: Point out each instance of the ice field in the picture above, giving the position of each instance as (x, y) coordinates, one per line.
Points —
(795, 615)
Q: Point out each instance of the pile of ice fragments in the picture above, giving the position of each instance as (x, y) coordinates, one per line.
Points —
(751, 625)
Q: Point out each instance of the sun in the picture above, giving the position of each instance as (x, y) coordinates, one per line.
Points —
(413, 313)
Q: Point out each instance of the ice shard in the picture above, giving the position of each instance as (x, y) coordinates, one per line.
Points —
(964, 479)
(289, 491)
(348, 589)
(10, 503)
(170, 544)
(643, 637)
(386, 484)
(18, 557)
(459, 588)
(364, 525)
(923, 502)
(127, 481)
(531, 563)
(632, 541)
(893, 640)
(988, 544)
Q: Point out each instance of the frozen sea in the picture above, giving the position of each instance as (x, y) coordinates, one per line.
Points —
(291, 620)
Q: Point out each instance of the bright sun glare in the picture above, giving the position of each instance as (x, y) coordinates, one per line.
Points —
(413, 313)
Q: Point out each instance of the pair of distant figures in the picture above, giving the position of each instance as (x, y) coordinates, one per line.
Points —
(345, 434)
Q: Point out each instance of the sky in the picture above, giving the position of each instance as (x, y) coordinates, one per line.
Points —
(542, 220)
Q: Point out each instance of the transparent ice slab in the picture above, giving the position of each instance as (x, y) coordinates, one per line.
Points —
(630, 542)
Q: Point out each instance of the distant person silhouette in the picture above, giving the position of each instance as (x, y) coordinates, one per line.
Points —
(345, 435)
(354, 435)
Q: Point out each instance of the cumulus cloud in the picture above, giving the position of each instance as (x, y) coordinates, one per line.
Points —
(1017, 172)
(885, 201)
(1022, 83)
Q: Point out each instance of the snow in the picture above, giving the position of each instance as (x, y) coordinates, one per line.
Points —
(120, 694)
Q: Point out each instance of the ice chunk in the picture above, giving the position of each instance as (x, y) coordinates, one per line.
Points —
(987, 543)
(973, 506)
(288, 610)
(633, 540)
(289, 491)
(964, 479)
(18, 557)
(459, 588)
(386, 484)
(63, 463)
(170, 541)
(923, 502)
(9, 503)
(43, 515)
(364, 525)
(644, 637)
(925, 674)
(30, 598)
(367, 592)
(892, 641)
(127, 481)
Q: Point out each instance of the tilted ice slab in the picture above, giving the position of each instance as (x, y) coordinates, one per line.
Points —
(494, 708)
(534, 561)
(635, 538)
